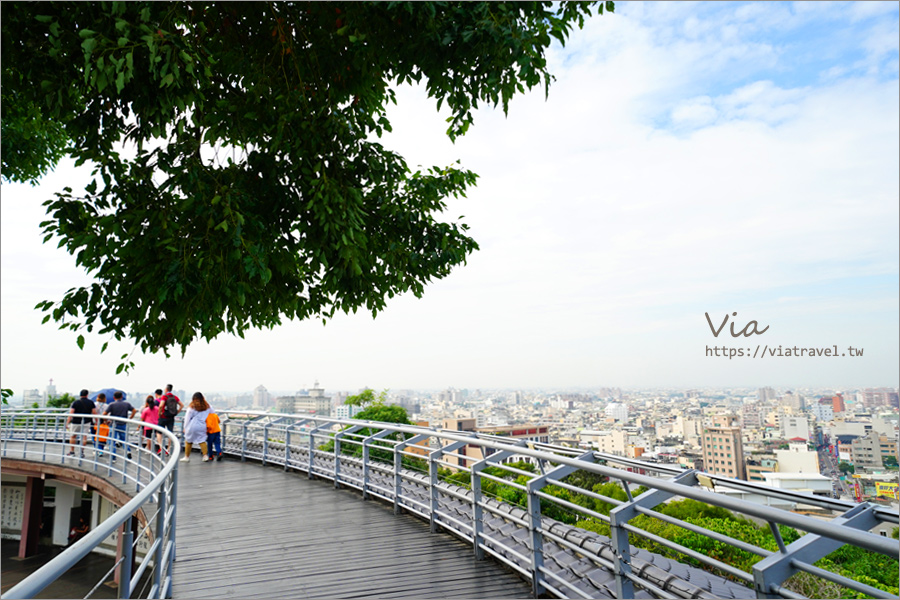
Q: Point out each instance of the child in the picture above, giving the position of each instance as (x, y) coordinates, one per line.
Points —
(214, 435)
(102, 435)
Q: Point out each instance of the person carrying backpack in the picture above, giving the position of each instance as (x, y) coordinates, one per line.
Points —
(169, 407)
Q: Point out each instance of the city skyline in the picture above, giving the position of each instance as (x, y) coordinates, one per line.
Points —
(690, 160)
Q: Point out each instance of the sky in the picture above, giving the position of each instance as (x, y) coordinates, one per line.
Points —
(691, 159)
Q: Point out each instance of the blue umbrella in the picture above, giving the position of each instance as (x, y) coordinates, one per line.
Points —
(109, 394)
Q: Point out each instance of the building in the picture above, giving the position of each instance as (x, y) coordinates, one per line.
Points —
(50, 392)
(822, 412)
(613, 441)
(873, 397)
(795, 401)
(758, 467)
(766, 394)
(617, 411)
(723, 451)
(346, 411)
(313, 402)
(837, 403)
(261, 397)
(31, 397)
(794, 427)
(809, 483)
(865, 451)
(797, 459)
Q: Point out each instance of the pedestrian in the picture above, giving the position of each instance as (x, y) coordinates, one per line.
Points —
(119, 407)
(150, 415)
(195, 427)
(79, 425)
(79, 531)
(169, 407)
(100, 401)
(214, 435)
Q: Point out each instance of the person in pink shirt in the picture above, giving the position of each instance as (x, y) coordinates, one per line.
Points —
(150, 415)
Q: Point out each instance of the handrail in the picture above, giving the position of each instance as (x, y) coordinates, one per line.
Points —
(767, 575)
(295, 441)
(153, 490)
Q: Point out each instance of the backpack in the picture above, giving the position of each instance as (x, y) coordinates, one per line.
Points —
(170, 404)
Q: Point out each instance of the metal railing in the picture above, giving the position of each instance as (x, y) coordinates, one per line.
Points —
(407, 466)
(403, 465)
(145, 523)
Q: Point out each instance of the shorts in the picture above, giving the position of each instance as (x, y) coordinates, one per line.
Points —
(167, 422)
(148, 433)
(81, 429)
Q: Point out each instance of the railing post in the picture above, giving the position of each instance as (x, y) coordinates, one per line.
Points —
(161, 508)
(265, 452)
(535, 524)
(432, 489)
(244, 441)
(312, 447)
(287, 446)
(398, 465)
(337, 458)
(127, 554)
(477, 510)
(433, 477)
(774, 569)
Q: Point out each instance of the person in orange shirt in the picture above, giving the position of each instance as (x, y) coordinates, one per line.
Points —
(213, 435)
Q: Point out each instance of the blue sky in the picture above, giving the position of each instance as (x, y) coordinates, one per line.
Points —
(691, 158)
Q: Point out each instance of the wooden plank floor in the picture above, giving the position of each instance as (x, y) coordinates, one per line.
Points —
(247, 531)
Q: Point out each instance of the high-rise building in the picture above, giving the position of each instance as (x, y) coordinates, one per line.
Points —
(50, 392)
(261, 397)
(766, 394)
(837, 403)
(723, 451)
(31, 397)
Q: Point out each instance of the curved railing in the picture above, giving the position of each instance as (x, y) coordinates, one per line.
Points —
(146, 522)
(406, 466)
(401, 465)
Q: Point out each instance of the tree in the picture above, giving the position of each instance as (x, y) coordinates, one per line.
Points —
(889, 461)
(366, 398)
(64, 401)
(238, 180)
(845, 467)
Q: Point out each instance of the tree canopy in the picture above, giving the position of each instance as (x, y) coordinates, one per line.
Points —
(238, 176)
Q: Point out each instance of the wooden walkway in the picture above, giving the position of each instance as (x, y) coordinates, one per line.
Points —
(247, 531)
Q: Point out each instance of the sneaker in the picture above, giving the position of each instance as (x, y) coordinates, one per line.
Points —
(204, 459)
(219, 458)
(185, 459)
(128, 455)
(72, 453)
(82, 454)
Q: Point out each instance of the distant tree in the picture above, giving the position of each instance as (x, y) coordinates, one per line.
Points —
(889, 461)
(366, 398)
(846, 467)
(63, 401)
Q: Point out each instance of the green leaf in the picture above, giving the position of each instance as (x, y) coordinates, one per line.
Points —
(80, 342)
(87, 33)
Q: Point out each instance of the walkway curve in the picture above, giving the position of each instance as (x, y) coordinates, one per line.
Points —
(249, 531)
